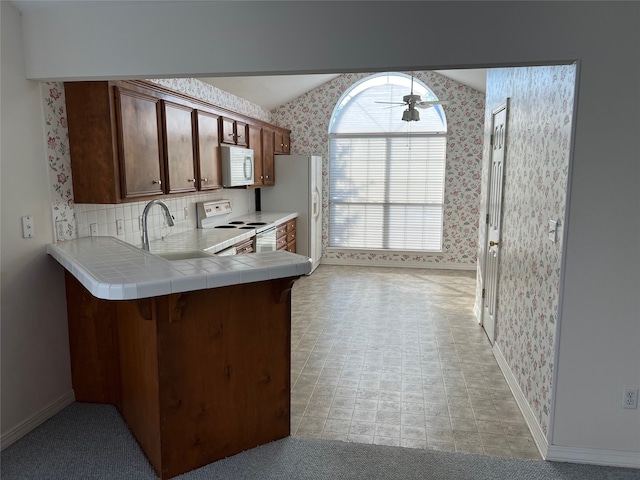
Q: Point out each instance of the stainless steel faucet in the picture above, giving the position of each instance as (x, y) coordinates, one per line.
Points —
(145, 213)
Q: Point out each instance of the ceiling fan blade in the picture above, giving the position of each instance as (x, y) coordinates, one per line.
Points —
(392, 103)
(431, 103)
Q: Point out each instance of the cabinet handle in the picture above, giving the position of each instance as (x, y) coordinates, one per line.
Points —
(239, 136)
(204, 180)
(191, 180)
(157, 182)
(231, 134)
(267, 177)
(261, 177)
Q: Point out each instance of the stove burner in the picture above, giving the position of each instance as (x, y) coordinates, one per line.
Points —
(237, 222)
(226, 226)
(257, 223)
(246, 228)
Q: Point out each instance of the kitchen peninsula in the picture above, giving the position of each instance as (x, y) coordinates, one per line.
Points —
(195, 353)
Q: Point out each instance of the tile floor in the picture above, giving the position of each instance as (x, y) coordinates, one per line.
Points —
(396, 357)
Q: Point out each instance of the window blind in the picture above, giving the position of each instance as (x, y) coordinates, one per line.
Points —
(386, 191)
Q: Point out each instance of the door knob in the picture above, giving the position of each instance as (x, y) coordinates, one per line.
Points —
(493, 244)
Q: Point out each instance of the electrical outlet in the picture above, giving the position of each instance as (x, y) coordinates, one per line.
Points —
(120, 227)
(60, 226)
(186, 213)
(630, 397)
(93, 229)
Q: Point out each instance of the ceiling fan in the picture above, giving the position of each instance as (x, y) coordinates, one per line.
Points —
(412, 102)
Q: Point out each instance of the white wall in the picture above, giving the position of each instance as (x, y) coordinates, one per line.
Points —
(598, 347)
(36, 377)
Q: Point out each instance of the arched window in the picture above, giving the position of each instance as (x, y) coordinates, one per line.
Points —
(386, 175)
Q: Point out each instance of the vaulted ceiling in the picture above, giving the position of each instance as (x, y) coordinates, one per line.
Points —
(272, 91)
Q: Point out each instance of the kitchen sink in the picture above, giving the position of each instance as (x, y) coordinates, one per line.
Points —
(184, 255)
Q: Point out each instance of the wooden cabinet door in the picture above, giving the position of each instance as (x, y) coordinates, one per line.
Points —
(227, 131)
(180, 158)
(139, 143)
(268, 157)
(286, 142)
(242, 134)
(282, 141)
(255, 143)
(233, 132)
(208, 151)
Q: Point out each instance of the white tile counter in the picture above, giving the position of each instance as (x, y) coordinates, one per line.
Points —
(114, 270)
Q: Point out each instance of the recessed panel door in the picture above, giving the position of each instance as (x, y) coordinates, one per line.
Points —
(178, 130)
(494, 217)
(140, 143)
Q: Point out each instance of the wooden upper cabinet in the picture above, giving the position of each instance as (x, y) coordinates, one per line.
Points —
(208, 151)
(233, 132)
(282, 142)
(93, 151)
(131, 140)
(139, 143)
(255, 143)
(179, 148)
(268, 157)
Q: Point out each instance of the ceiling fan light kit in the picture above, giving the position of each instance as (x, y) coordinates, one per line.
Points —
(410, 115)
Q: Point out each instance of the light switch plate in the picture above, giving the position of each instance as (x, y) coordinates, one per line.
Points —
(553, 230)
(60, 227)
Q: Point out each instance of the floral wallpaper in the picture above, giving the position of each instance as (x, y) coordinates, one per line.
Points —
(535, 190)
(308, 118)
(76, 221)
(58, 160)
(211, 94)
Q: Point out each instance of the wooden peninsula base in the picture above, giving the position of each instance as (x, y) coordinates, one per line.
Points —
(197, 376)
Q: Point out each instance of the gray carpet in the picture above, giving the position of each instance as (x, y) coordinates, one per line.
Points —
(89, 441)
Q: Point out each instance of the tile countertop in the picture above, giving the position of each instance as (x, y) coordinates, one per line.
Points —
(213, 240)
(115, 270)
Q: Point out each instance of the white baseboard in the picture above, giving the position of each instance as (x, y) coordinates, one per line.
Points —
(408, 264)
(536, 431)
(594, 456)
(477, 312)
(35, 420)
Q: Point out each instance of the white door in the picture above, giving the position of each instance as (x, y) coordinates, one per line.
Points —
(494, 214)
(315, 220)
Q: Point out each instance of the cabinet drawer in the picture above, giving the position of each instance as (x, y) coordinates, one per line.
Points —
(281, 231)
(291, 236)
(291, 225)
(244, 247)
(281, 243)
(291, 246)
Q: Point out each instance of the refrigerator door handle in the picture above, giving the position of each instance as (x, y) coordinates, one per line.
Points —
(316, 210)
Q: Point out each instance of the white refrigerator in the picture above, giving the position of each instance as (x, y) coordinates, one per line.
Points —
(298, 188)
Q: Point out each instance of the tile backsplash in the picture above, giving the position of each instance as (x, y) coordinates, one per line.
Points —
(106, 217)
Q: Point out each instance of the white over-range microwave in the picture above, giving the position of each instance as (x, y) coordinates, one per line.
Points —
(237, 166)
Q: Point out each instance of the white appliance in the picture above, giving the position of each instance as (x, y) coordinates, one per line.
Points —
(266, 240)
(237, 166)
(298, 188)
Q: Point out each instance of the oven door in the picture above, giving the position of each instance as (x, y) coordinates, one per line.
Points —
(266, 241)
